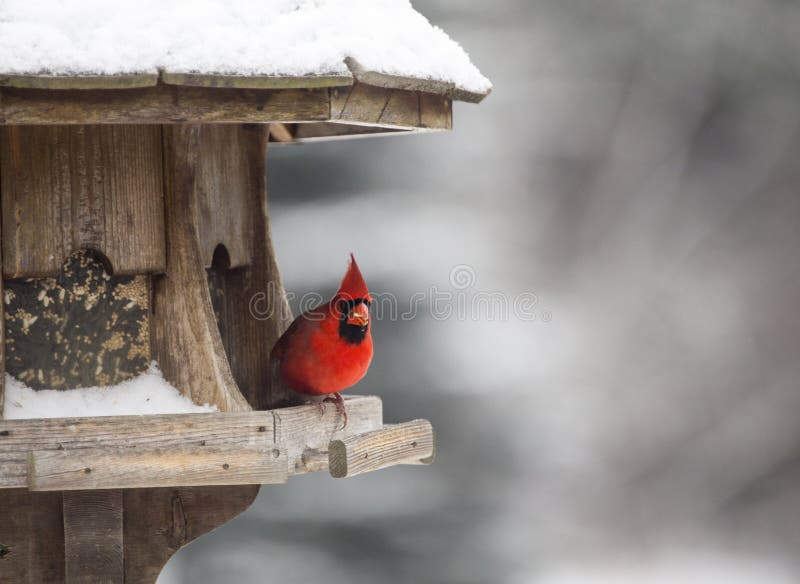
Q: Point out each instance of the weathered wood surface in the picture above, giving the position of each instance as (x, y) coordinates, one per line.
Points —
(80, 329)
(294, 430)
(162, 104)
(248, 297)
(60, 82)
(186, 339)
(116, 468)
(368, 106)
(391, 108)
(432, 86)
(407, 443)
(256, 81)
(19, 437)
(223, 181)
(71, 187)
(158, 522)
(32, 527)
(93, 537)
(302, 428)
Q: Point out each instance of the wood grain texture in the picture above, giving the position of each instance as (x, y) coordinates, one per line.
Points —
(223, 182)
(186, 339)
(158, 522)
(61, 82)
(235, 429)
(294, 429)
(390, 108)
(432, 86)
(301, 428)
(71, 187)
(32, 527)
(126, 468)
(256, 81)
(93, 537)
(162, 104)
(377, 79)
(248, 296)
(407, 443)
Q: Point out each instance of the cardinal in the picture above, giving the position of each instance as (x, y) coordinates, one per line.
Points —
(329, 348)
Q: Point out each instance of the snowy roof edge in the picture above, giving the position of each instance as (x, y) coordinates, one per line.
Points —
(356, 72)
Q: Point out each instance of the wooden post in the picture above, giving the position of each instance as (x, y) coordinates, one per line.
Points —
(93, 537)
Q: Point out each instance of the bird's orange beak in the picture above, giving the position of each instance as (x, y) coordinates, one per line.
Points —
(360, 314)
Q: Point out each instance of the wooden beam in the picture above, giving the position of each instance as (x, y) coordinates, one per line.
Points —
(61, 82)
(257, 81)
(434, 86)
(293, 430)
(162, 104)
(280, 133)
(390, 108)
(126, 468)
(408, 443)
(19, 437)
(93, 537)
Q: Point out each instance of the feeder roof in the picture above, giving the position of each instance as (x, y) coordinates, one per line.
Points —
(91, 44)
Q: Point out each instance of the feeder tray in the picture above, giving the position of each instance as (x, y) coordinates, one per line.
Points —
(135, 228)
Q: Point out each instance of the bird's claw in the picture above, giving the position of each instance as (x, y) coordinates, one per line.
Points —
(337, 399)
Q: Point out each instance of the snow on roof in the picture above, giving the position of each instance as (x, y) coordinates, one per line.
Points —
(229, 37)
(148, 393)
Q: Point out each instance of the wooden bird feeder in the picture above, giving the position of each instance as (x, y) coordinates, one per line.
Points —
(135, 228)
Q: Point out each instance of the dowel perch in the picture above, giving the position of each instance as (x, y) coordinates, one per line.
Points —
(408, 443)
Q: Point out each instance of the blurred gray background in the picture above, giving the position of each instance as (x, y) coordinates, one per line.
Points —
(637, 168)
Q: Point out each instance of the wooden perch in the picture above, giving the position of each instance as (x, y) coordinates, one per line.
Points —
(408, 443)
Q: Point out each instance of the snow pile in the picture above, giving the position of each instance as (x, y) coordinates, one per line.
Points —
(149, 393)
(237, 37)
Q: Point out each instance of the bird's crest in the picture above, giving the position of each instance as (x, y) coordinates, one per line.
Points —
(353, 285)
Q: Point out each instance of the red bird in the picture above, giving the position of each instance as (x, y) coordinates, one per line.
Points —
(329, 348)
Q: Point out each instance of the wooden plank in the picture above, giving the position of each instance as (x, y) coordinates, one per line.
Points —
(377, 79)
(162, 104)
(32, 528)
(257, 81)
(60, 82)
(186, 339)
(250, 303)
(224, 214)
(71, 187)
(93, 537)
(18, 437)
(407, 443)
(125, 468)
(433, 86)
